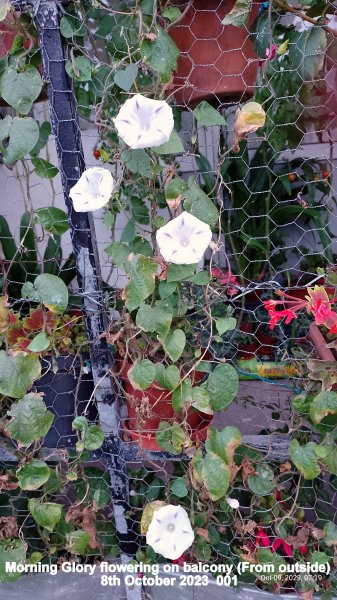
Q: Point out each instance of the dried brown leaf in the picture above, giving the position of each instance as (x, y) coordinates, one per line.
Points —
(9, 528)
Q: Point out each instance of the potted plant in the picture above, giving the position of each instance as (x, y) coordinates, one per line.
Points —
(162, 335)
(49, 346)
(216, 61)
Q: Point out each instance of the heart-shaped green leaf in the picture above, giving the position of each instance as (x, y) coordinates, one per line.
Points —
(23, 134)
(125, 78)
(20, 88)
(174, 344)
(32, 475)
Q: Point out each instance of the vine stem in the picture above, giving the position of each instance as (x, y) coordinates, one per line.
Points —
(303, 16)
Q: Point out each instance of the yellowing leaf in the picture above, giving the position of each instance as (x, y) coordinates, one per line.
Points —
(250, 118)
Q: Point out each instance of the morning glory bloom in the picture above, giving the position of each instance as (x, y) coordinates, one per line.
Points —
(144, 123)
(170, 532)
(184, 240)
(93, 190)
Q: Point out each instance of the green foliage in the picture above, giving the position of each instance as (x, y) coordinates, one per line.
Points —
(306, 53)
(137, 161)
(216, 475)
(11, 551)
(174, 344)
(53, 220)
(167, 377)
(142, 374)
(79, 68)
(305, 458)
(222, 386)
(94, 487)
(154, 319)
(262, 482)
(161, 54)
(141, 271)
(199, 204)
(125, 78)
(32, 475)
(239, 14)
(30, 420)
(46, 514)
(39, 343)
(206, 115)
(24, 264)
(178, 488)
(92, 436)
(330, 534)
(325, 403)
(173, 146)
(78, 541)
(20, 89)
(49, 290)
(171, 438)
(182, 395)
(201, 400)
(224, 442)
(45, 169)
(18, 373)
(22, 135)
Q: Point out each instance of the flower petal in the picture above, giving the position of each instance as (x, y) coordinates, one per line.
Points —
(93, 190)
(184, 240)
(170, 532)
(144, 123)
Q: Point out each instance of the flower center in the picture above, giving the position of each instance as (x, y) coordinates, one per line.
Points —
(170, 527)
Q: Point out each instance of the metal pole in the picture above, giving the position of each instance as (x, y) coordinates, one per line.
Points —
(65, 126)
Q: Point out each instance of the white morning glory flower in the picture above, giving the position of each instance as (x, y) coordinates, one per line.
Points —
(184, 240)
(300, 25)
(93, 190)
(233, 503)
(170, 532)
(144, 123)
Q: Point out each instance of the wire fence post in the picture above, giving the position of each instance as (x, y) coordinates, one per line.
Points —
(65, 127)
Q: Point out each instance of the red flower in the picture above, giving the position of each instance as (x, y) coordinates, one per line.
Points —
(316, 302)
(303, 549)
(280, 544)
(179, 561)
(262, 539)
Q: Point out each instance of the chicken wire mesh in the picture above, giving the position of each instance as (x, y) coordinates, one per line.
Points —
(276, 227)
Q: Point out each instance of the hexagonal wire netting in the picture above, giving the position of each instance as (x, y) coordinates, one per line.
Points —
(276, 228)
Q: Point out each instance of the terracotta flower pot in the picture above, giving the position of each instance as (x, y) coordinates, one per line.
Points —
(249, 350)
(146, 440)
(8, 31)
(155, 400)
(217, 61)
(320, 344)
(267, 344)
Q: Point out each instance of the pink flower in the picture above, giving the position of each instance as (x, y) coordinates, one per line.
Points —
(227, 279)
(270, 54)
